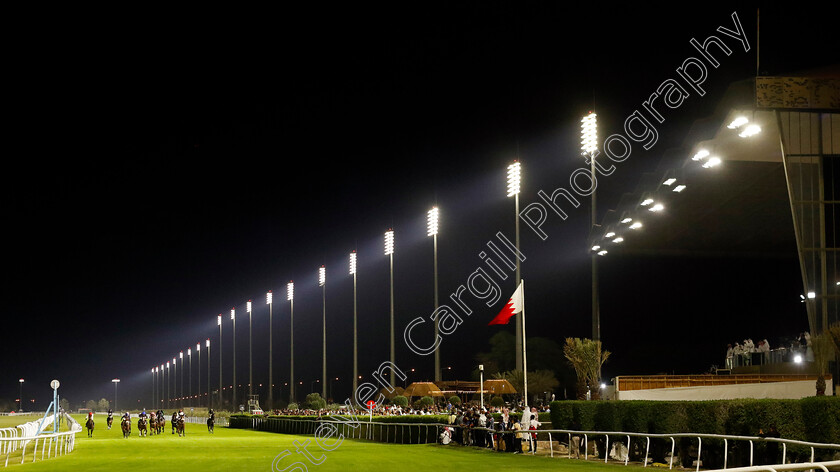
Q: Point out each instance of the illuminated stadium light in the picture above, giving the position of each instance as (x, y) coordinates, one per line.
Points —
(513, 179)
(322, 276)
(432, 221)
(269, 297)
(657, 207)
(701, 154)
(812, 295)
(602, 253)
(618, 240)
(589, 133)
(647, 201)
(636, 225)
(389, 242)
(679, 188)
(596, 247)
(738, 122)
(627, 220)
(290, 291)
(609, 234)
(712, 162)
(219, 320)
(248, 306)
(750, 130)
(352, 262)
(233, 313)
(669, 181)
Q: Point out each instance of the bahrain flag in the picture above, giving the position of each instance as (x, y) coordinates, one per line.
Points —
(514, 306)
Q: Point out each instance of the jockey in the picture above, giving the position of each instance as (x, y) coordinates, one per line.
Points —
(142, 414)
(126, 416)
(212, 415)
(110, 414)
(90, 415)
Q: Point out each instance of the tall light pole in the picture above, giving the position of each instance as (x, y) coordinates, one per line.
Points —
(175, 384)
(389, 251)
(115, 381)
(219, 322)
(168, 385)
(513, 181)
(189, 377)
(153, 386)
(269, 299)
(208, 374)
(355, 326)
(322, 281)
(162, 386)
(181, 397)
(20, 399)
(589, 144)
(233, 318)
(250, 352)
(481, 383)
(432, 225)
(290, 295)
(198, 369)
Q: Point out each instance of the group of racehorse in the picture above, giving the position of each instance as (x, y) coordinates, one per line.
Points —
(156, 424)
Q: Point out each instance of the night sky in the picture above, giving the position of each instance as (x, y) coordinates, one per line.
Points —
(161, 170)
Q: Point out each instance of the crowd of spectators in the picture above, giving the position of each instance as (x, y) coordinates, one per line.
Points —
(742, 353)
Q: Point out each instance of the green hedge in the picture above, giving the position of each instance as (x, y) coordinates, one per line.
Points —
(815, 419)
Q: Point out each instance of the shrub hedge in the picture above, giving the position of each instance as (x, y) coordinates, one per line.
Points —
(814, 419)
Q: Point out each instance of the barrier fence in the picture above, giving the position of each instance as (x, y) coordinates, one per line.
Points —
(20, 437)
(425, 433)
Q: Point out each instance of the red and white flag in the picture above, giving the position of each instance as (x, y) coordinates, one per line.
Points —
(514, 306)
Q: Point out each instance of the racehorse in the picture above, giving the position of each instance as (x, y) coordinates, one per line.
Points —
(161, 424)
(179, 426)
(110, 421)
(126, 428)
(152, 424)
(210, 423)
(89, 425)
(141, 427)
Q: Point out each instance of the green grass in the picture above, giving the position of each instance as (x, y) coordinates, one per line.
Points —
(241, 450)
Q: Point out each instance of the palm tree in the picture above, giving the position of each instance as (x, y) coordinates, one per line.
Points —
(586, 358)
(538, 381)
(823, 346)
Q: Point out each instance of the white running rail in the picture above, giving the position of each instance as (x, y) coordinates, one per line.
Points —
(51, 444)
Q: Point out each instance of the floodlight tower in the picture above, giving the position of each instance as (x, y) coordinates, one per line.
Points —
(589, 146)
(290, 295)
(355, 326)
(250, 351)
(432, 227)
(322, 281)
(389, 251)
(233, 318)
(513, 181)
(269, 300)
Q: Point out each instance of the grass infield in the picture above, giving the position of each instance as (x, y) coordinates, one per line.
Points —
(246, 450)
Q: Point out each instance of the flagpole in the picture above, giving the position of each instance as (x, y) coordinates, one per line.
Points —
(524, 355)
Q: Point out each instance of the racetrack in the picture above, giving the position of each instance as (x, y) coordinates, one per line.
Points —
(246, 450)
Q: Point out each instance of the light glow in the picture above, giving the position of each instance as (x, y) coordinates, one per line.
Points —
(610, 234)
(219, 320)
(812, 295)
(750, 130)
(233, 313)
(647, 201)
(679, 188)
(601, 253)
(636, 225)
(207, 343)
(290, 291)
(248, 306)
(712, 162)
(596, 247)
(322, 276)
(657, 207)
(618, 240)
(669, 181)
(701, 154)
(353, 263)
(269, 298)
(514, 179)
(389, 242)
(627, 220)
(432, 221)
(738, 122)
(189, 352)
(589, 133)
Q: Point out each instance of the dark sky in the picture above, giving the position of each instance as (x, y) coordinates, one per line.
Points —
(162, 169)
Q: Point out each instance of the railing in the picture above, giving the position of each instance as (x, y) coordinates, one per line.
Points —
(220, 421)
(19, 438)
(835, 465)
(404, 433)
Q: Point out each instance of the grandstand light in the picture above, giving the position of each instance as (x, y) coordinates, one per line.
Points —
(669, 181)
(647, 201)
(738, 122)
(589, 133)
(636, 225)
(514, 179)
(700, 155)
(389, 242)
(712, 162)
(596, 247)
(322, 276)
(618, 240)
(797, 359)
(627, 220)
(750, 130)
(609, 234)
(679, 188)
(432, 221)
(812, 295)
(601, 253)
(656, 207)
